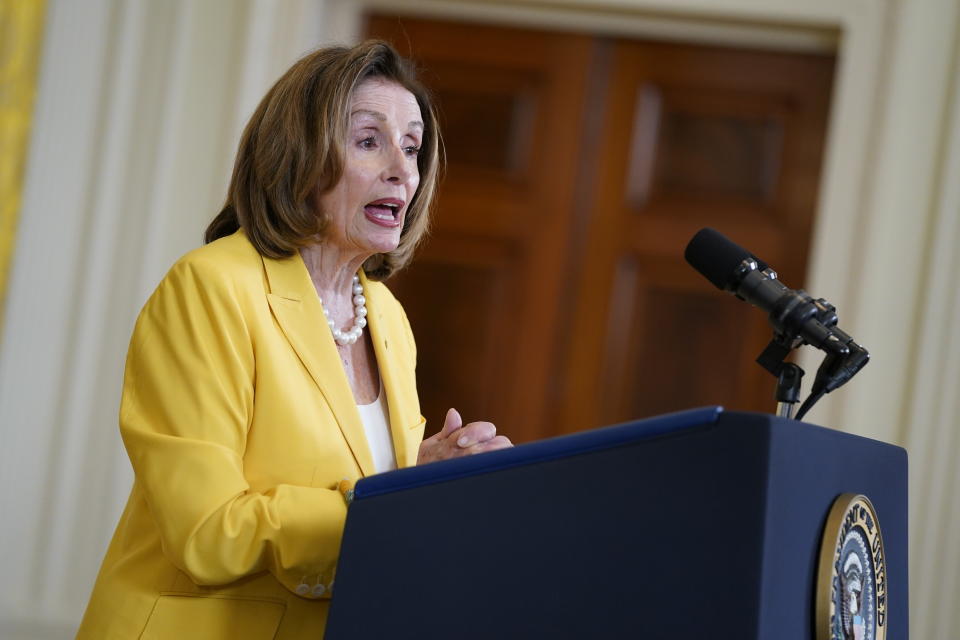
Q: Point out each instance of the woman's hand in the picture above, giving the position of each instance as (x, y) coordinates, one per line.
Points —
(457, 439)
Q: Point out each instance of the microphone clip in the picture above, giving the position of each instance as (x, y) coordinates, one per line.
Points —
(802, 320)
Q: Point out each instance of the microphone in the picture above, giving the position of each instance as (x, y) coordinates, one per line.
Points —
(796, 317)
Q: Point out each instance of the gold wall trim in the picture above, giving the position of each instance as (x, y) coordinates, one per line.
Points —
(21, 33)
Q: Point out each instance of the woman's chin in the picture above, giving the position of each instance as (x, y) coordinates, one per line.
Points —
(369, 242)
(383, 244)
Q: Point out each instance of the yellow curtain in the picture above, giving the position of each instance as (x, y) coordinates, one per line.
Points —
(21, 31)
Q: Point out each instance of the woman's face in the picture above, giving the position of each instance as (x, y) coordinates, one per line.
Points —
(367, 207)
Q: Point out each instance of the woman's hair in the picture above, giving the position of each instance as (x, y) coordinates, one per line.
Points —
(295, 144)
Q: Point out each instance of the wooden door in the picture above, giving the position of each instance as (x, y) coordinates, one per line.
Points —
(692, 136)
(552, 295)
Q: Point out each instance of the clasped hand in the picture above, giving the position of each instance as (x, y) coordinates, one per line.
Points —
(457, 439)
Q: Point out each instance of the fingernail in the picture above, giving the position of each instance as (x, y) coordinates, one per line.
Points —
(463, 441)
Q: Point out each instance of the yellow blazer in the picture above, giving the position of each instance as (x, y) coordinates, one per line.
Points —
(241, 427)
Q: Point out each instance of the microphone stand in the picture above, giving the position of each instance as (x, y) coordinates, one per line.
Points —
(789, 375)
(788, 389)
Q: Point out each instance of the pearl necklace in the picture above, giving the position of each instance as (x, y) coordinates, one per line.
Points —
(350, 336)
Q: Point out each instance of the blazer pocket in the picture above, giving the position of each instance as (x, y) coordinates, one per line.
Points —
(200, 617)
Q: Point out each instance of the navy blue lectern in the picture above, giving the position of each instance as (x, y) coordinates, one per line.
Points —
(700, 524)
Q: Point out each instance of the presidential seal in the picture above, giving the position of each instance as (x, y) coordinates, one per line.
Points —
(852, 574)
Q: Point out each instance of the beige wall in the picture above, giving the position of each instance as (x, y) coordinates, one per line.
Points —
(139, 110)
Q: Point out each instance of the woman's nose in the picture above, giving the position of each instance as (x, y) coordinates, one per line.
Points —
(399, 167)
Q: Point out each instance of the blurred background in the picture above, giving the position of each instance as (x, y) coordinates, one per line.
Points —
(586, 142)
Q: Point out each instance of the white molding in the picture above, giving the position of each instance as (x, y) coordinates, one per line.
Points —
(786, 12)
(895, 220)
(930, 430)
(630, 20)
(843, 204)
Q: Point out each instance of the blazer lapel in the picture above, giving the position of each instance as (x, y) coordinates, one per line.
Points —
(399, 383)
(296, 306)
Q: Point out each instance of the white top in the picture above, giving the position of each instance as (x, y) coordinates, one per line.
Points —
(376, 426)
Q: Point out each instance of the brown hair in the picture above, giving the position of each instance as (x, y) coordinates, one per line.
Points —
(294, 144)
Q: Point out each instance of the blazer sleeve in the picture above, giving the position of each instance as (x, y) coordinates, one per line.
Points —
(188, 399)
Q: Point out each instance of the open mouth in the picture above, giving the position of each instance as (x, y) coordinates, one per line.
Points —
(385, 211)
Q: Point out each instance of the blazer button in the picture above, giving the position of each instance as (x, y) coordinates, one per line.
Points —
(303, 589)
(318, 590)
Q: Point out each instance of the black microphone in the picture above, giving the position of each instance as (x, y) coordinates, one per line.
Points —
(796, 317)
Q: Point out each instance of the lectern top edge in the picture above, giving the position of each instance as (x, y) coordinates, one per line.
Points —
(542, 450)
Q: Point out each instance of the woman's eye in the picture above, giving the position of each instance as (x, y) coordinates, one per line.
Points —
(367, 143)
(412, 151)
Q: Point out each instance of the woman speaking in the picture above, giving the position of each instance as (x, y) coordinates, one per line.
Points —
(271, 368)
